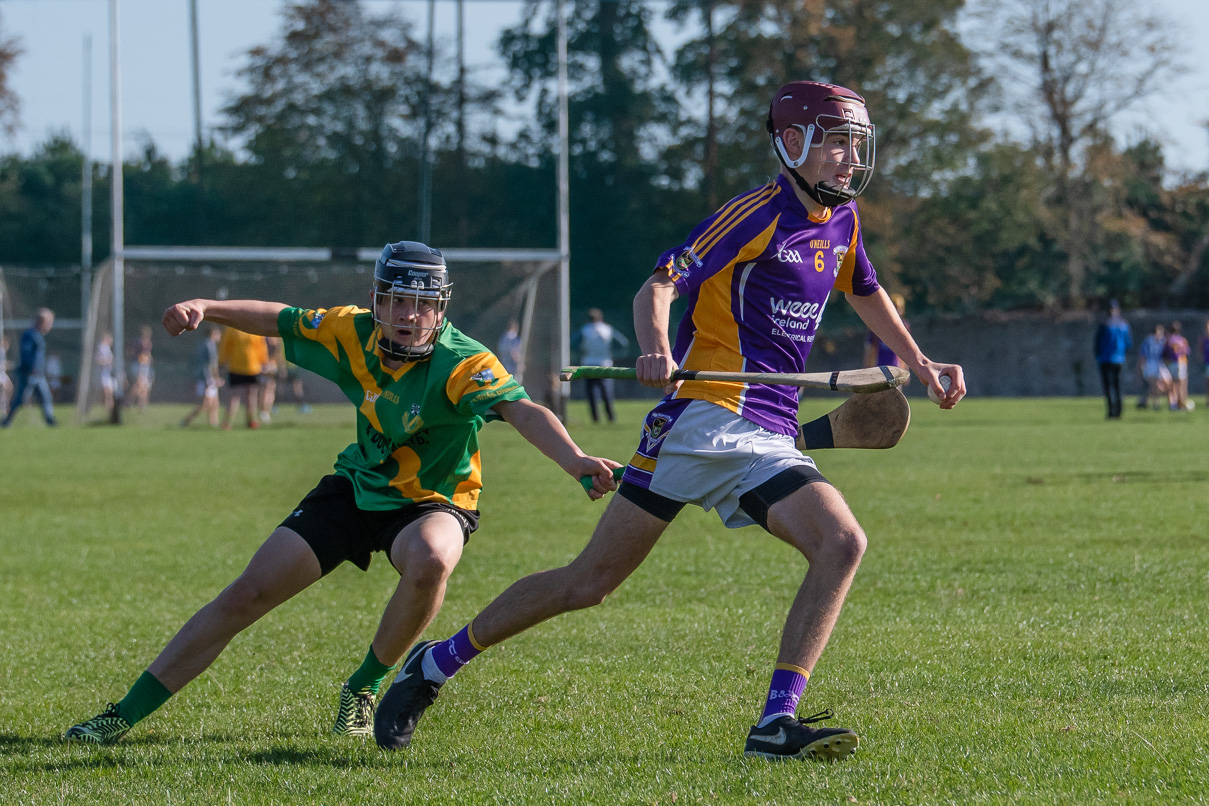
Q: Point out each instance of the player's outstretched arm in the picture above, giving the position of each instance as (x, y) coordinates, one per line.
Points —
(878, 312)
(543, 430)
(249, 315)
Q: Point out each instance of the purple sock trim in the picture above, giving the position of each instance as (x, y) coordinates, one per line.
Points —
(453, 654)
(784, 692)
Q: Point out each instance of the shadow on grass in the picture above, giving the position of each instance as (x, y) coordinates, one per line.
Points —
(12, 740)
(368, 757)
(1122, 477)
(16, 752)
(284, 756)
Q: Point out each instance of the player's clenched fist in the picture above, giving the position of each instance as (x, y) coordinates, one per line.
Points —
(184, 316)
(655, 369)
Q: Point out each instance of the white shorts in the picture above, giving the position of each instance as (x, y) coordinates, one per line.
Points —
(206, 390)
(707, 455)
(1178, 370)
(1155, 371)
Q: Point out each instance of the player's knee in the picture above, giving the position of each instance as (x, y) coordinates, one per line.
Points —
(243, 599)
(845, 546)
(585, 596)
(425, 567)
(590, 589)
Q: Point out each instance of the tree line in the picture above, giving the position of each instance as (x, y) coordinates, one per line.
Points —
(999, 183)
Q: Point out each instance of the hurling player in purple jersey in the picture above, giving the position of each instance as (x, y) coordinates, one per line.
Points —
(757, 276)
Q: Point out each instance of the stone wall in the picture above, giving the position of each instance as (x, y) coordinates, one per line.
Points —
(1036, 355)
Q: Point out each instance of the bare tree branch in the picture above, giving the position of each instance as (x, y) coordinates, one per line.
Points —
(10, 105)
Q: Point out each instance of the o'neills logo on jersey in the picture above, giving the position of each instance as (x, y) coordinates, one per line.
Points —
(370, 396)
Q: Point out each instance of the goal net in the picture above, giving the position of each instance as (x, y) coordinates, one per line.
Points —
(491, 288)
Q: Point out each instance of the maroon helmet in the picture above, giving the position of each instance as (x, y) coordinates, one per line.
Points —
(817, 110)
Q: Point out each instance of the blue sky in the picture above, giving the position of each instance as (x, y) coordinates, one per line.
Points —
(156, 80)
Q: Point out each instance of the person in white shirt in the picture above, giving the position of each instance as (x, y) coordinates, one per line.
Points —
(596, 341)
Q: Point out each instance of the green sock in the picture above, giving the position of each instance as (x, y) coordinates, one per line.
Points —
(370, 676)
(144, 696)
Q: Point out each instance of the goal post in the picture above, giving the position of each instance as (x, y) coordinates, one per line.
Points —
(491, 287)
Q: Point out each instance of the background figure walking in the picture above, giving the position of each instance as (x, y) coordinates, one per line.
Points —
(1113, 340)
(595, 341)
(142, 369)
(207, 378)
(31, 369)
(104, 364)
(268, 378)
(1175, 353)
(1156, 380)
(243, 355)
(6, 384)
(1204, 358)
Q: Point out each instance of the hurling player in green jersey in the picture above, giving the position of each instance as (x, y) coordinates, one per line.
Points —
(408, 486)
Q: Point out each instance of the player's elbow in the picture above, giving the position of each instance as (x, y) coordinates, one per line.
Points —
(659, 288)
(517, 413)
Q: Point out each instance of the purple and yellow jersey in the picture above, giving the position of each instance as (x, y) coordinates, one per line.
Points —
(417, 426)
(757, 275)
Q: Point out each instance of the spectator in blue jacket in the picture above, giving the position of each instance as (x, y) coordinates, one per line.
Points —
(31, 368)
(1113, 341)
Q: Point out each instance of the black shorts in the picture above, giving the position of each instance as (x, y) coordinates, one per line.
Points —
(329, 520)
(234, 379)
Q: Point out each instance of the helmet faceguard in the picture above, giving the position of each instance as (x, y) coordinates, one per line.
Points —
(818, 111)
(409, 280)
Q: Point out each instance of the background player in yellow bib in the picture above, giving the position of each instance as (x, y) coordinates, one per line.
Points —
(408, 487)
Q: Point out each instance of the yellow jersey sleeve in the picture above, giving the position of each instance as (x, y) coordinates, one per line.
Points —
(479, 382)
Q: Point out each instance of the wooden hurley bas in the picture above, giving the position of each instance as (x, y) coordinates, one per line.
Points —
(876, 420)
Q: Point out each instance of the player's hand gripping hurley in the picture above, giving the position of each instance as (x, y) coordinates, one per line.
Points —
(860, 381)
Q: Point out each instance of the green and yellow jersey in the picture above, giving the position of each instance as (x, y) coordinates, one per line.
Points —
(417, 426)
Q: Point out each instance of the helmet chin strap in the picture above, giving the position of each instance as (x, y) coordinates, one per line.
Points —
(827, 194)
(404, 353)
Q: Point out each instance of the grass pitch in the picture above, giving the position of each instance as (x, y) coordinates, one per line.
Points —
(1029, 624)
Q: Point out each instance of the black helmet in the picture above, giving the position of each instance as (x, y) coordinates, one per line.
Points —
(409, 270)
